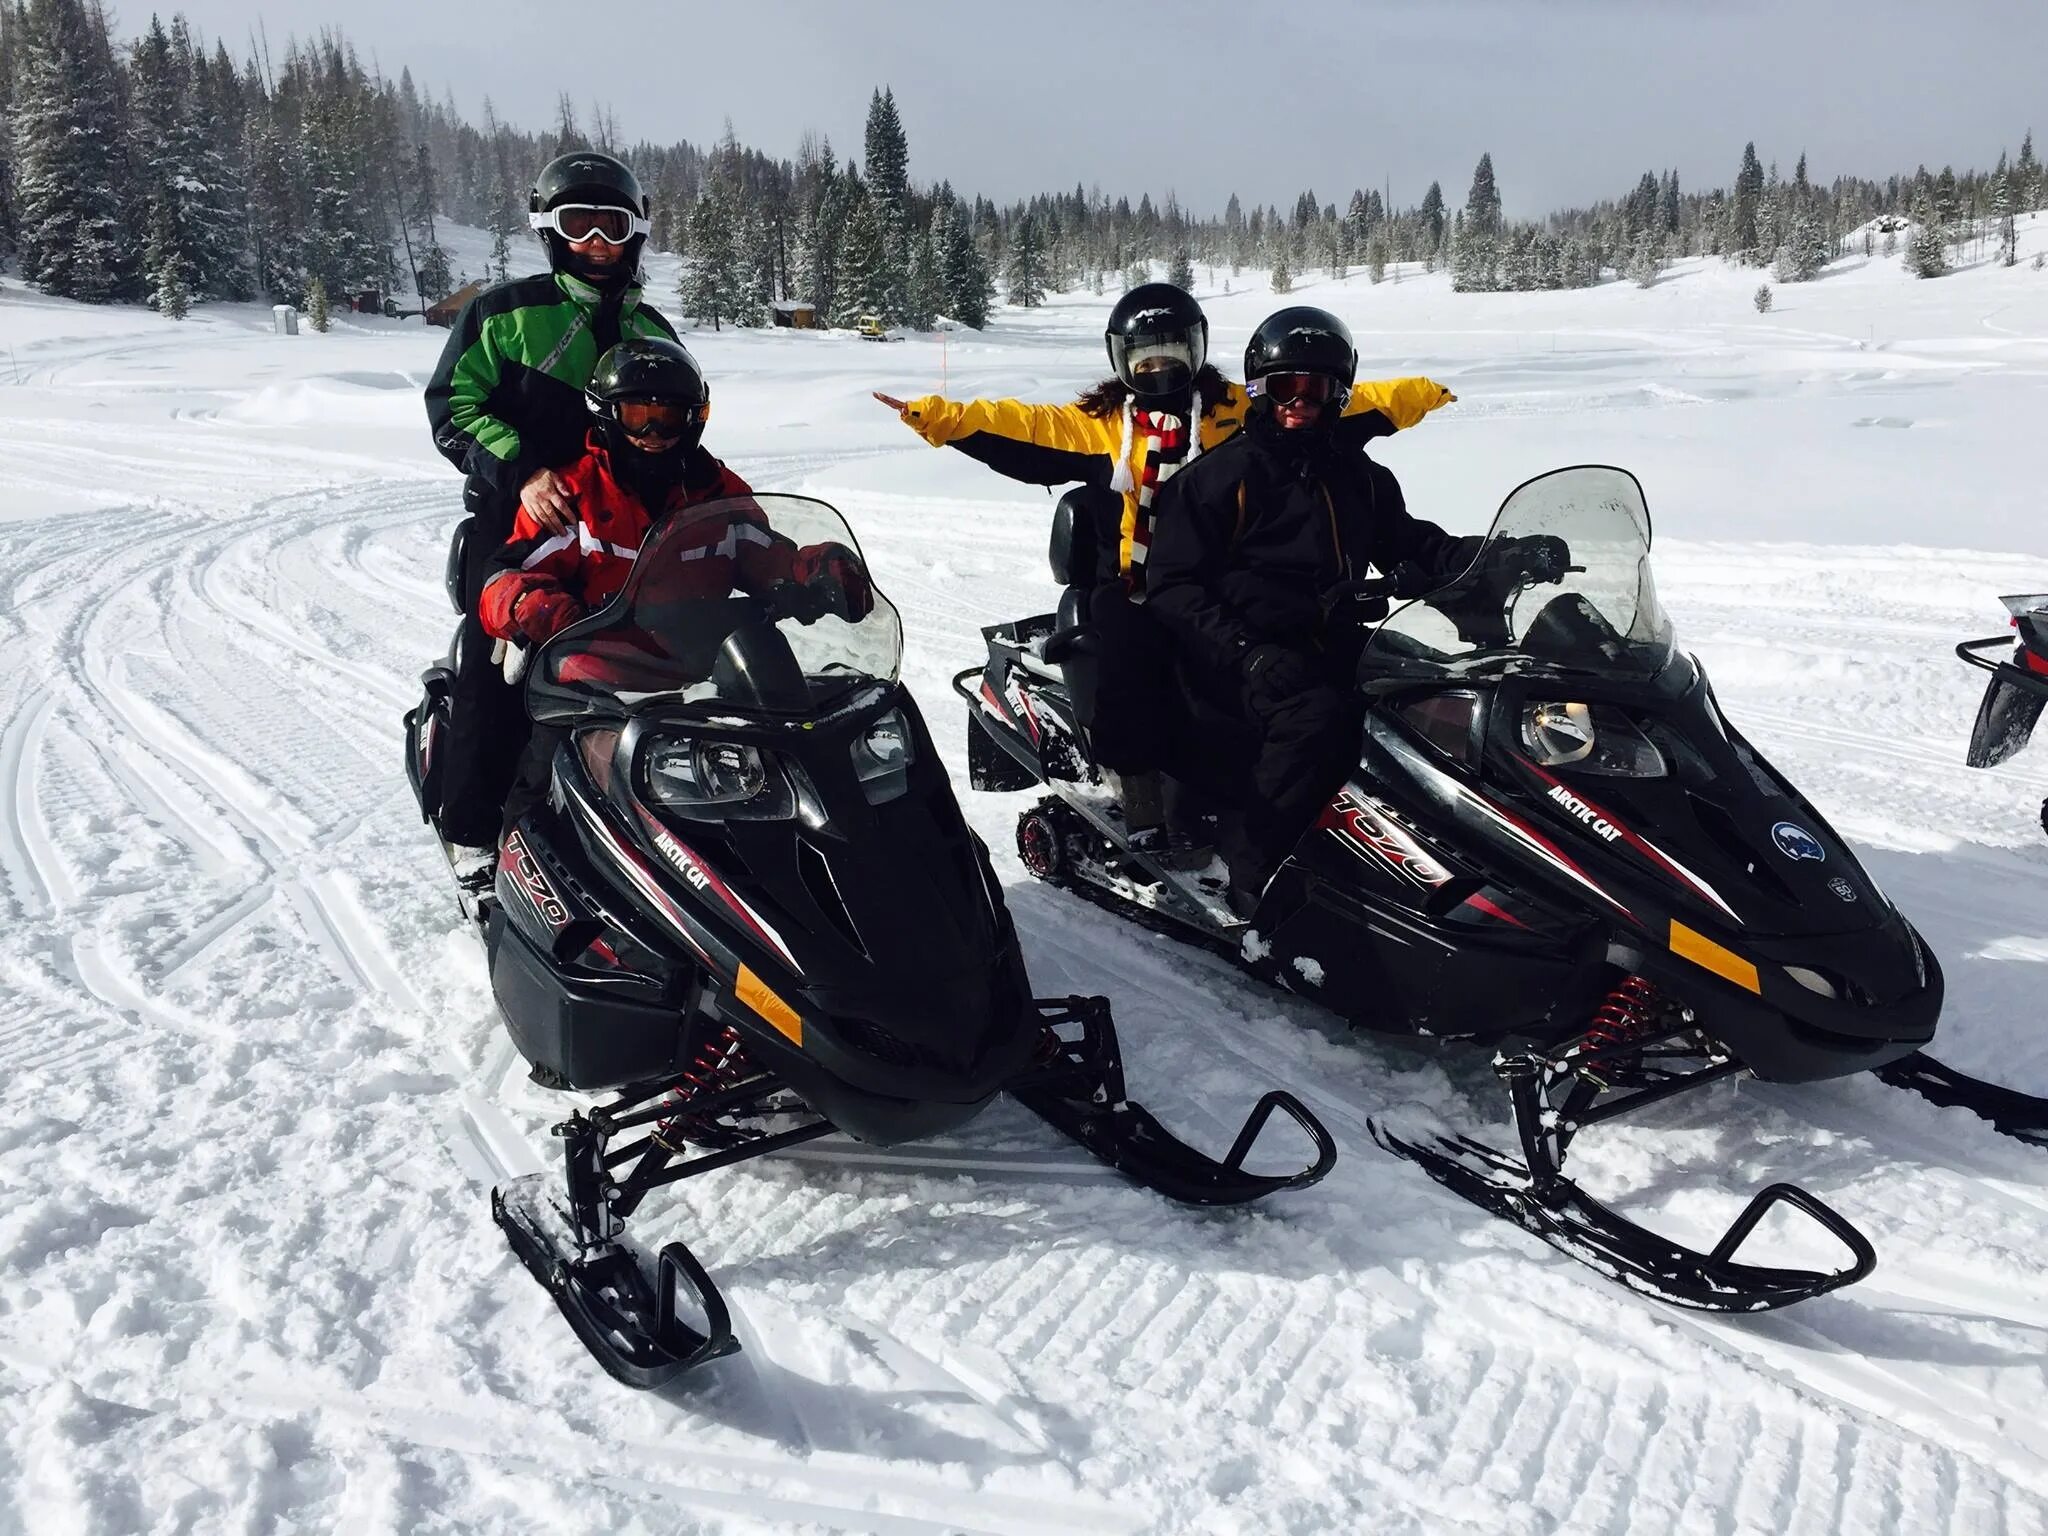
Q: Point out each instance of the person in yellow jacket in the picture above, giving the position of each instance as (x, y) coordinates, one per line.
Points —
(1130, 431)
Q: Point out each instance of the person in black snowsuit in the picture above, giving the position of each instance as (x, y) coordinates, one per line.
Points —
(506, 408)
(1251, 541)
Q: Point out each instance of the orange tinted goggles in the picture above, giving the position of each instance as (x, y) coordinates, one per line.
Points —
(659, 418)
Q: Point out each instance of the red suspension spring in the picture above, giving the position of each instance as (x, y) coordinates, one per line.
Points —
(1629, 1012)
(720, 1062)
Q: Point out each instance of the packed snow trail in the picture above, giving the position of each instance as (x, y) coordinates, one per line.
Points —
(253, 1091)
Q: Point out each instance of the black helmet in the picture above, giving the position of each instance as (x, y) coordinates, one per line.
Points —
(650, 382)
(1158, 339)
(587, 178)
(1301, 340)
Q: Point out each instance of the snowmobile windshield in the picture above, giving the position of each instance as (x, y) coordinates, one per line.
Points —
(751, 605)
(1561, 584)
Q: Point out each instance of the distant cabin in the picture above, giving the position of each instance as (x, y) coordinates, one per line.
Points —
(795, 314)
(443, 313)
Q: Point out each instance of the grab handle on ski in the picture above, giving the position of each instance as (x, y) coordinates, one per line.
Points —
(1078, 1089)
(1864, 1256)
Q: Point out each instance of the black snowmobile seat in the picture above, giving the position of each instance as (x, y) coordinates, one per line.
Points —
(1083, 555)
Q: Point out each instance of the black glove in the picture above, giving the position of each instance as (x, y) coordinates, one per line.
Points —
(1535, 557)
(1275, 673)
(839, 581)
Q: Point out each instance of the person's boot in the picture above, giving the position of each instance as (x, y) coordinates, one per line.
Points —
(1143, 801)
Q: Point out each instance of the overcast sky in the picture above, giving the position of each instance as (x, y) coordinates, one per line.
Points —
(1574, 98)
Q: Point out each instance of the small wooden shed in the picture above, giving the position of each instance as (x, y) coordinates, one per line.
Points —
(795, 314)
(444, 312)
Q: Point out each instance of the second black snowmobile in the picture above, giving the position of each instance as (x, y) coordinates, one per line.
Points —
(750, 906)
(2018, 689)
(1556, 844)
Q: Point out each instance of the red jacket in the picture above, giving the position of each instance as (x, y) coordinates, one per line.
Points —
(589, 563)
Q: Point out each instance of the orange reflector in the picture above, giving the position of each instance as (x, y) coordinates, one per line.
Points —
(1704, 952)
(760, 997)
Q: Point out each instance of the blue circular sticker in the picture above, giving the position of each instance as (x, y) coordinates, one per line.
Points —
(1796, 843)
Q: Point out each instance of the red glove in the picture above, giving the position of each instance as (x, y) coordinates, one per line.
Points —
(835, 574)
(544, 612)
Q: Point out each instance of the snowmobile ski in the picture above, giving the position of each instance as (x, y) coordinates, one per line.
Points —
(2022, 1116)
(1080, 1093)
(1554, 1095)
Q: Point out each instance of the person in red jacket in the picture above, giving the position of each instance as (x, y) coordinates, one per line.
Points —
(644, 459)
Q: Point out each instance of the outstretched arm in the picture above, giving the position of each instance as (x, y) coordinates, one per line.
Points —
(1038, 444)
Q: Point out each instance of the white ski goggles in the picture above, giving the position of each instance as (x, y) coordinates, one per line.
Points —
(577, 222)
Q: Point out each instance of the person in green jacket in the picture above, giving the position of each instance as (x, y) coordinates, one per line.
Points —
(506, 407)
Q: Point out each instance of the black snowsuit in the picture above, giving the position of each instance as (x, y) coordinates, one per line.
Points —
(506, 400)
(1250, 540)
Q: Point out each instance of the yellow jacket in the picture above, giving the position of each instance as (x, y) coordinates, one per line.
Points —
(1063, 444)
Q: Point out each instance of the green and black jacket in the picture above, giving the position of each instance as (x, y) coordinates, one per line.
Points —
(507, 398)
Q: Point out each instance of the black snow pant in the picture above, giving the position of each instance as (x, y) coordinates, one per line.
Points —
(1305, 745)
(487, 724)
(536, 772)
(1142, 718)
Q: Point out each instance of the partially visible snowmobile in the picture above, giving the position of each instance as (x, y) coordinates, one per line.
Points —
(751, 906)
(2018, 689)
(1555, 843)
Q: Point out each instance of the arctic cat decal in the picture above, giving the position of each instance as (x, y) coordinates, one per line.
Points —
(1796, 843)
(1585, 813)
(700, 878)
(1369, 830)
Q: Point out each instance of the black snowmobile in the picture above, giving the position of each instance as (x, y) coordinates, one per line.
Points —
(1555, 843)
(2018, 689)
(751, 906)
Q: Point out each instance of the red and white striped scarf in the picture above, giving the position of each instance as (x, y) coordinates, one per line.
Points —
(1171, 443)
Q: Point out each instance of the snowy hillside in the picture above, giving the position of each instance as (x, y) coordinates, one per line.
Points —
(253, 1092)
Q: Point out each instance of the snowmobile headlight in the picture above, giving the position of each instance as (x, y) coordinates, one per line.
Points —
(715, 780)
(1814, 981)
(882, 756)
(1592, 738)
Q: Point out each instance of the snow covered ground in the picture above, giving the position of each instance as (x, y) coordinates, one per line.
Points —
(253, 1091)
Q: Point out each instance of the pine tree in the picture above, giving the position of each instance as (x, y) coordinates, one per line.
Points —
(160, 102)
(927, 288)
(436, 282)
(1432, 214)
(1927, 247)
(1762, 298)
(1646, 261)
(1476, 259)
(2002, 214)
(1180, 268)
(888, 189)
(1742, 218)
(1024, 277)
(2028, 172)
(316, 304)
(863, 287)
(710, 285)
(1283, 275)
(962, 273)
(70, 140)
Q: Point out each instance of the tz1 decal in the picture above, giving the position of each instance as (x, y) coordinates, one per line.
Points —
(1796, 843)
(1592, 818)
(1368, 829)
(523, 869)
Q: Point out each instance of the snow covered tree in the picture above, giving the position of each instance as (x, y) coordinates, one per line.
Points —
(1645, 263)
(1927, 246)
(1180, 268)
(1024, 278)
(317, 314)
(1762, 298)
(962, 272)
(1283, 275)
(160, 104)
(1476, 254)
(2027, 173)
(1742, 216)
(710, 287)
(888, 189)
(926, 291)
(864, 286)
(436, 281)
(1432, 214)
(71, 156)
(2002, 215)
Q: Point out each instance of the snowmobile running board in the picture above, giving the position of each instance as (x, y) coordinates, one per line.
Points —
(2022, 1116)
(571, 1238)
(1534, 1194)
